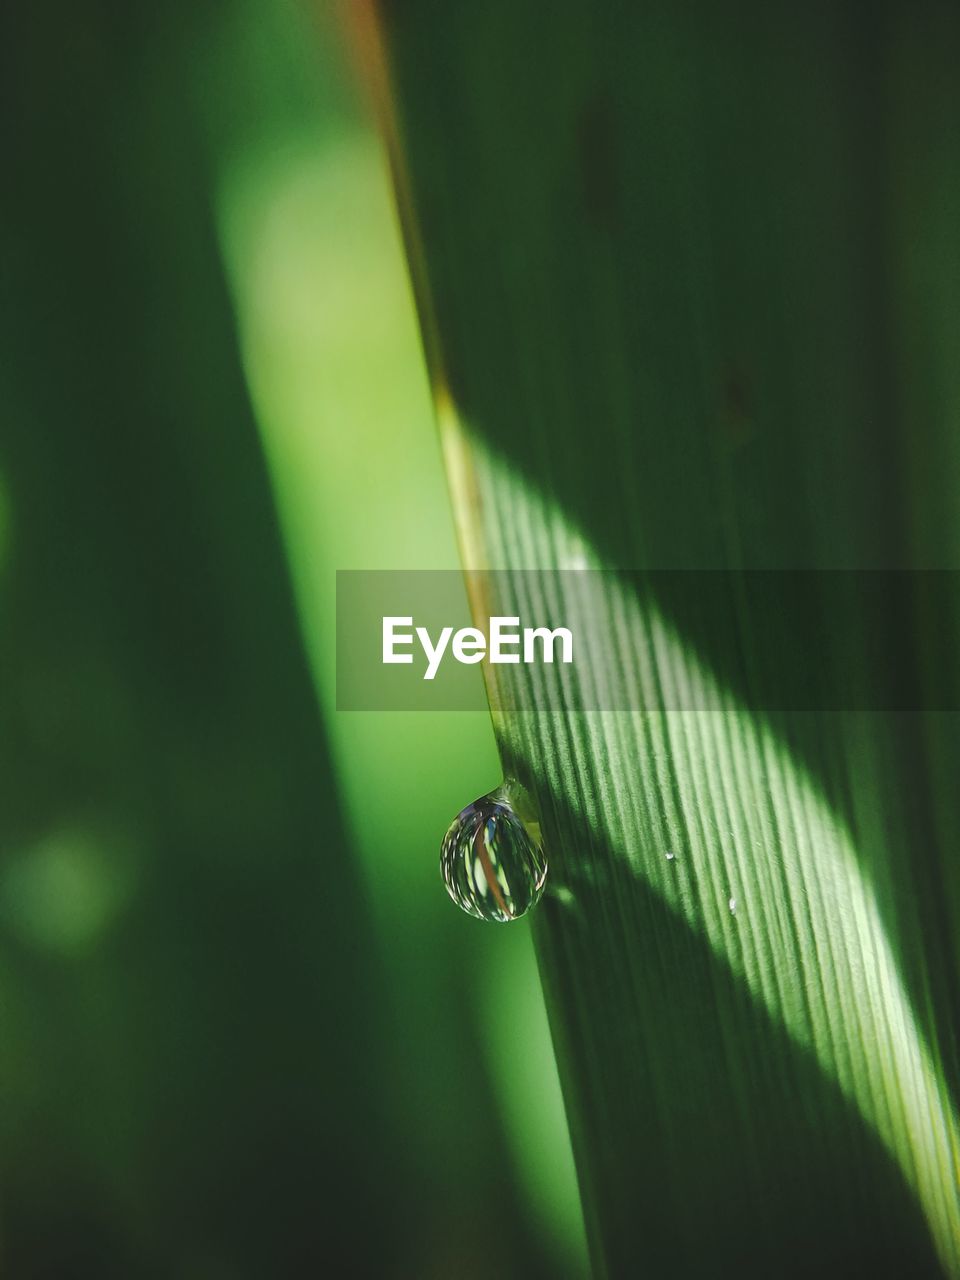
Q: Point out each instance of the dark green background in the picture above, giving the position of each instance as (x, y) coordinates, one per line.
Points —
(234, 1040)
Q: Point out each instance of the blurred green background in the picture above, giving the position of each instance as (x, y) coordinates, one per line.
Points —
(242, 1030)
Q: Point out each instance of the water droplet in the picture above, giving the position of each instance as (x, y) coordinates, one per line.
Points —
(670, 855)
(491, 859)
(732, 904)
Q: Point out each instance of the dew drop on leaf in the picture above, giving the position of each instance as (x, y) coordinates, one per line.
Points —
(492, 861)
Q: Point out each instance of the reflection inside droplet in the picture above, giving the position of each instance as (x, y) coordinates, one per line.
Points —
(491, 859)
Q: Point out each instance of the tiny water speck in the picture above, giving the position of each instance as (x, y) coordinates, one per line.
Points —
(491, 859)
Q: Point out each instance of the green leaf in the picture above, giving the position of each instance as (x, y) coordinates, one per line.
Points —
(685, 309)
